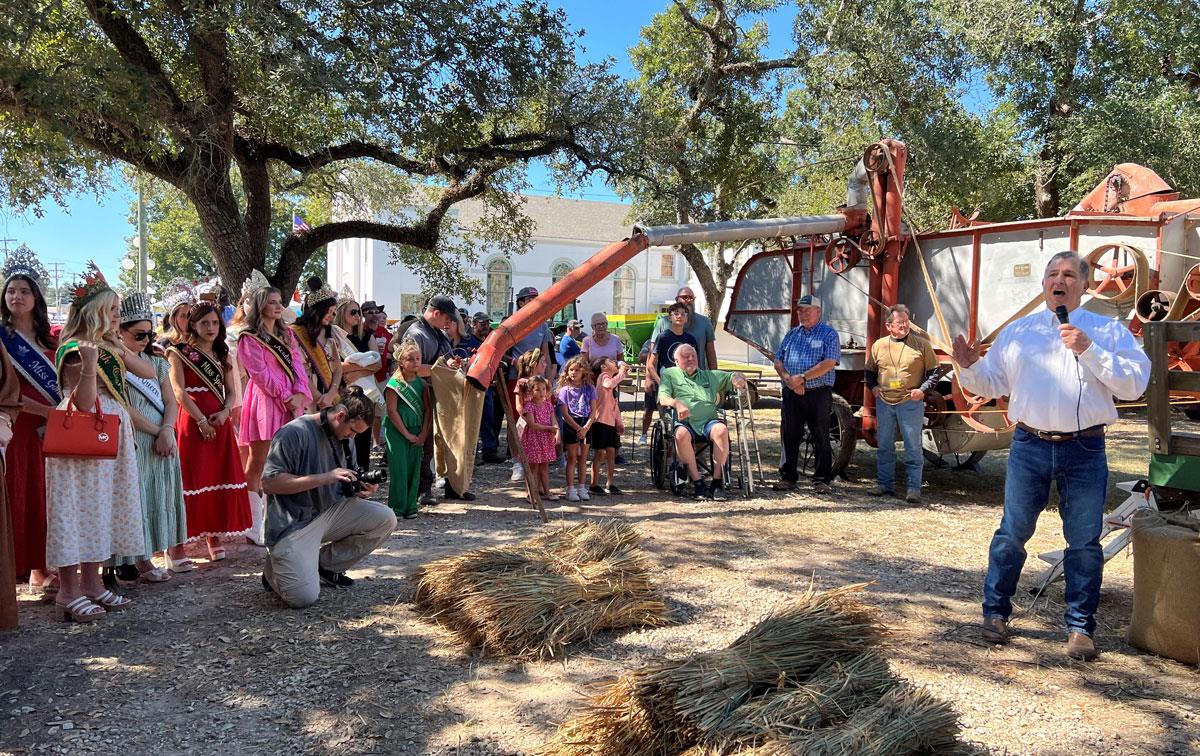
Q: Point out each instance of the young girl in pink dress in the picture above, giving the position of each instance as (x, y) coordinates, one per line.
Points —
(276, 390)
(540, 434)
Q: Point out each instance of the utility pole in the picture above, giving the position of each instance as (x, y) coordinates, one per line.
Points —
(56, 270)
(5, 242)
(141, 219)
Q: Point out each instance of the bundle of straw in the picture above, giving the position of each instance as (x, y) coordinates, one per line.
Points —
(809, 678)
(533, 599)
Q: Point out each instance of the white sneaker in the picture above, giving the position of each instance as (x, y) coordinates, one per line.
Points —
(572, 494)
(518, 473)
(583, 493)
(642, 441)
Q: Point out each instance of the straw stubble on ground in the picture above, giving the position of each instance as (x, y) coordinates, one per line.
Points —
(208, 663)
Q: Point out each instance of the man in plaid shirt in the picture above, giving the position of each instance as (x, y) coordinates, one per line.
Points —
(805, 363)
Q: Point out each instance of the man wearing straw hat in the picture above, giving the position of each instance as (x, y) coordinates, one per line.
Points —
(1060, 369)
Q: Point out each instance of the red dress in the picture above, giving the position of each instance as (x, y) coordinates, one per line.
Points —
(214, 485)
(25, 483)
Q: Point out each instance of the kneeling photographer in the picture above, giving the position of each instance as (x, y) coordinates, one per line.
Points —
(319, 521)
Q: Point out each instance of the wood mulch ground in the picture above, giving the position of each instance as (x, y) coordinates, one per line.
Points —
(211, 664)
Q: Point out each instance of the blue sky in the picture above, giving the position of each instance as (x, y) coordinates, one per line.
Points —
(98, 228)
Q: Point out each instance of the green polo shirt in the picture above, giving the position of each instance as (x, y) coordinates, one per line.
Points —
(698, 392)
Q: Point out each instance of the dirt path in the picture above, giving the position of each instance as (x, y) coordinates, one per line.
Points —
(209, 663)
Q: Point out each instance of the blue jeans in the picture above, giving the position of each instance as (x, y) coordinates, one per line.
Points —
(487, 425)
(908, 416)
(1080, 470)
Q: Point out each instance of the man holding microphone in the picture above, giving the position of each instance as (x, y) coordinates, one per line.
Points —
(1060, 369)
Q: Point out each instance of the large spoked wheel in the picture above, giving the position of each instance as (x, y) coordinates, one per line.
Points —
(956, 461)
(843, 436)
(658, 457)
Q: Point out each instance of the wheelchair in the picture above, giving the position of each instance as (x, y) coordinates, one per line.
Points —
(668, 473)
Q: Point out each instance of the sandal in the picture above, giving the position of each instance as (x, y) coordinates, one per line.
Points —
(183, 564)
(112, 602)
(217, 554)
(155, 575)
(82, 609)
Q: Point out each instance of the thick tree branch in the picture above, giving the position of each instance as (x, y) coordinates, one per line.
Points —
(134, 51)
(348, 151)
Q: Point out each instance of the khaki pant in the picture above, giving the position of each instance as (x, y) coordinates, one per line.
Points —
(336, 541)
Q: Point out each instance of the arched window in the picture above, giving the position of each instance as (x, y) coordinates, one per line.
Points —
(558, 273)
(499, 284)
(624, 281)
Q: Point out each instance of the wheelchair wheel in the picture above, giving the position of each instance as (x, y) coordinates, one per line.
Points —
(658, 457)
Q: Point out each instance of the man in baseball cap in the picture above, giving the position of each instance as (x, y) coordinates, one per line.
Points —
(527, 293)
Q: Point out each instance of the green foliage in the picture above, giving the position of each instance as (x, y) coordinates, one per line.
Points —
(452, 93)
(176, 244)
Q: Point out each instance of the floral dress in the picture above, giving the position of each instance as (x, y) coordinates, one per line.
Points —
(539, 444)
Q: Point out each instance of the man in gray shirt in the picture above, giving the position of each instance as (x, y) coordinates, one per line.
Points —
(315, 530)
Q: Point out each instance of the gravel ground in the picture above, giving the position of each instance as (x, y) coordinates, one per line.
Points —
(211, 664)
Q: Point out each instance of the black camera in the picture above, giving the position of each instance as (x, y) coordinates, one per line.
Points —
(362, 479)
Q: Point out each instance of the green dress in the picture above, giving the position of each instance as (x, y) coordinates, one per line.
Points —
(164, 518)
(404, 459)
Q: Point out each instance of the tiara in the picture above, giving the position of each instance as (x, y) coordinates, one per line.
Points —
(90, 284)
(347, 294)
(209, 290)
(22, 261)
(254, 282)
(135, 307)
(179, 291)
(314, 296)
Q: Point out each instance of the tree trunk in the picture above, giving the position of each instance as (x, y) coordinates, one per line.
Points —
(224, 229)
(714, 291)
(1045, 182)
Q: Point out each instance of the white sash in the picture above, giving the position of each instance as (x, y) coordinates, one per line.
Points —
(149, 388)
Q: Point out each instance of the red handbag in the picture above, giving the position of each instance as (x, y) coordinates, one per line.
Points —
(72, 433)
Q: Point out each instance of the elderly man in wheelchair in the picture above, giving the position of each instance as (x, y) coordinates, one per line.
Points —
(693, 396)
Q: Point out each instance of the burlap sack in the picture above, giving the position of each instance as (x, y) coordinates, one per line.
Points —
(456, 426)
(1166, 573)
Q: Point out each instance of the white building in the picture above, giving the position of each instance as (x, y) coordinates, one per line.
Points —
(566, 233)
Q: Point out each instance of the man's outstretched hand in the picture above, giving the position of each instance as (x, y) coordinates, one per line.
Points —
(966, 354)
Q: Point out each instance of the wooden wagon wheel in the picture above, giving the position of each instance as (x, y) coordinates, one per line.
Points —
(841, 255)
(969, 405)
(1114, 272)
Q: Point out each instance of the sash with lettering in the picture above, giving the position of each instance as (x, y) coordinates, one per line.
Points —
(149, 388)
(201, 364)
(281, 351)
(32, 364)
(316, 356)
(112, 367)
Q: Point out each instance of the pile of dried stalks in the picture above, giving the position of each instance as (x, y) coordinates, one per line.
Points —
(532, 599)
(808, 679)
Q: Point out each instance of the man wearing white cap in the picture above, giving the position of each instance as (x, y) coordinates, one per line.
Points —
(805, 363)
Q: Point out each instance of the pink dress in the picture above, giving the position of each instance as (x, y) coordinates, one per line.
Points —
(268, 387)
(539, 444)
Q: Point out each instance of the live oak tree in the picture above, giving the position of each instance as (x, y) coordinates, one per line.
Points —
(451, 94)
(708, 129)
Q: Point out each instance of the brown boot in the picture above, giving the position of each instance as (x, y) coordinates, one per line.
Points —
(784, 485)
(1081, 647)
(995, 630)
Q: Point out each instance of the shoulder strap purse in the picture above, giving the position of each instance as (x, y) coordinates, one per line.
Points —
(74, 434)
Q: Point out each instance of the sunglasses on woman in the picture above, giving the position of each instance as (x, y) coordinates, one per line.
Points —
(354, 312)
(143, 336)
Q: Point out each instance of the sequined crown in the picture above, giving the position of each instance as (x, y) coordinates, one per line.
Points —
(254, 282)
(318, 291)
(90, 284)
(178, 291)
(135, 307)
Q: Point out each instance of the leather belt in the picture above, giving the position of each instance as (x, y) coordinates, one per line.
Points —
(1096, 431)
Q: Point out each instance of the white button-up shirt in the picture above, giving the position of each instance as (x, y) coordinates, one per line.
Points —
(1047, 388)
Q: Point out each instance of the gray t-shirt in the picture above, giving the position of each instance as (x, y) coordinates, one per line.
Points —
(537, 338)
(701, 329)
(432, 342)
(302, 447)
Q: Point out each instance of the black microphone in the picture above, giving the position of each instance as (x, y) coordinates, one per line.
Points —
(1063, 318)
